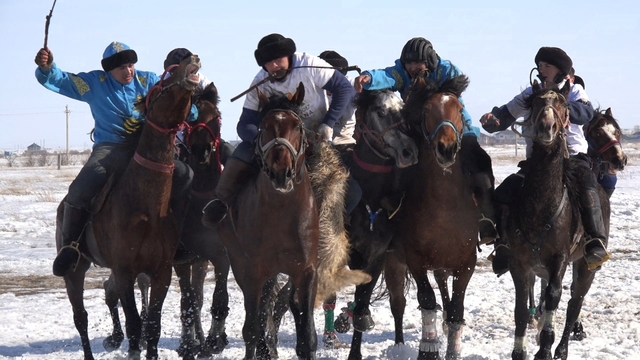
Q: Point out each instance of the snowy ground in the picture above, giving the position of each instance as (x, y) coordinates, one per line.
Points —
(36, 318)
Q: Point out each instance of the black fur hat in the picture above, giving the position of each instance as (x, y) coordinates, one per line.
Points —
(175, 56)
(556, 57)
(273, 46)
(336, 60)
(420, 49)
(116, 55)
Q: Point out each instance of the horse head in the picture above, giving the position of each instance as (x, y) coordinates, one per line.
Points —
(281, 139)
(168, 116)
(549, 113)
(203, 136)
(603, 136)
(435, 112)
(379, 120)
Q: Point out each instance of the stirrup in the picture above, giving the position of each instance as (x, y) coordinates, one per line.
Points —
(491, 256)
(595, 261)
(75, 246)
(488, 239)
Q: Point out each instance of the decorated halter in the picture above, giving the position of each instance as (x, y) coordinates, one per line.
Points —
(263, 150)
(216, 138)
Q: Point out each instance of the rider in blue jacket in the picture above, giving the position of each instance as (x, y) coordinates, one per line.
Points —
(111, 94)
(418, 57)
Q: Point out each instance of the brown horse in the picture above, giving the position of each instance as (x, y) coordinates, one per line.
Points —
(543, 227)
(272, 228)
(132, 230)
(603, 135)
(438, 228)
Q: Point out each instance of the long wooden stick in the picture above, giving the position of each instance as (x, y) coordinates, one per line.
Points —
(46, 25)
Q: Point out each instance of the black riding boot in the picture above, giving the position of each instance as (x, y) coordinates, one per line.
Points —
(595, 248)
(505, 194)
(74, 220)
(484, 193)
(235, 174)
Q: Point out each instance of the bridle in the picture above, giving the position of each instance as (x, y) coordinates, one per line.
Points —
(430, 136)
(149, 101)
(263, 150)
(561, 119)
(191, 129)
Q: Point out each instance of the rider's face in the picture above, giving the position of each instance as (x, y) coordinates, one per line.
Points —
(280, 65)
(123, 74)
(415, 67)
(547, 71)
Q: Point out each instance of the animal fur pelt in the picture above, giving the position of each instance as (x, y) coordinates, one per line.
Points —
(329, 182)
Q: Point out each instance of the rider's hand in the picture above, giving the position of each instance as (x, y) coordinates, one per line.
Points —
(359, 81)
(44, 59)
(326, 132)
(490, 123)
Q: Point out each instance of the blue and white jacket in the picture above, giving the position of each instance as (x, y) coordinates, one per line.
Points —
(111, 103)
(397, 78)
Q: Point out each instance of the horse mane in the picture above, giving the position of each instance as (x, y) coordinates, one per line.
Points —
(419, 93)
(367, 98)
(597, 115)
(210, 94)
(279, 102)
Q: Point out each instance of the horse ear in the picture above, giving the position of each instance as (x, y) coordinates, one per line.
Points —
(536, 86)
(608, 112)
(299, 95)
(262, 99)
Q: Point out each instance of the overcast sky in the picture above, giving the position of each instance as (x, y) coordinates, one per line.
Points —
(493, 42)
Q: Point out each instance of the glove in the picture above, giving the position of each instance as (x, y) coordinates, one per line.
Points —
(44, 59)
(326, 132)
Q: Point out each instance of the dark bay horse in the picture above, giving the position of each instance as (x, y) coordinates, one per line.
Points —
(380, 146)
(272, 228)
(133, 230)
(438, 227)
(205, 158)
(543, 227)
(198, 244)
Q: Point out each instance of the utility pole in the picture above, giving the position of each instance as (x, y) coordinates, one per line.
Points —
(67, 111)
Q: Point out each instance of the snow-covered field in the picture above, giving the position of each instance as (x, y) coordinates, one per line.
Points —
(36, 318)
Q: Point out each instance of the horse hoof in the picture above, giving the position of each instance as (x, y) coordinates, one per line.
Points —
(363, 323)
(341, 324)
(112, 343)
(216, 345)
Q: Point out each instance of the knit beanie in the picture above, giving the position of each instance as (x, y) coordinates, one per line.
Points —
(556, 57)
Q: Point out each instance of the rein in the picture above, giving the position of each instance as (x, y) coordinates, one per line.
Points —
(263, 150)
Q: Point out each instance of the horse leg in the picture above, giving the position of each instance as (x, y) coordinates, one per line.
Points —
(217, 337)
(198, 274)
(305, 285)
(582, 280)
(187, 348)
(251, 290)
(532, 302)
(329, 337)
(362, 299)
(160, 283)
(552, 295)
(144, 283)
(455, 311)
(74, 282)
(113, 341)
(442, 276)
(282, 304)
(395, 278)
(521, 282)
(267, 345)
(428, 307)
(133, 323)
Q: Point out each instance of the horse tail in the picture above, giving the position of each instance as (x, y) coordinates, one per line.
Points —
(329, 183)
